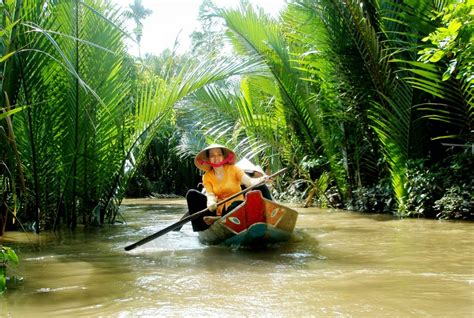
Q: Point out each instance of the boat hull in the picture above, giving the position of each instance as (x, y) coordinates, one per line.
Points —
(255, 222)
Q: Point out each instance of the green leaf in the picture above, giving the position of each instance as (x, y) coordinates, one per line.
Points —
(454, 26)
(452, 66)
(8, 255)
(3, 279)
(438, 55)
(11, 112)
(6, 56)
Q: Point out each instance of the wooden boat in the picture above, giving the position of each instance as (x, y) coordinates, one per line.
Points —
(255, 222)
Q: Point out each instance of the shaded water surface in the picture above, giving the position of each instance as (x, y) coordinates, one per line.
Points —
(339, 264)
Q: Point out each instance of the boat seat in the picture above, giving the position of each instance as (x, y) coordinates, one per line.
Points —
(255, 207)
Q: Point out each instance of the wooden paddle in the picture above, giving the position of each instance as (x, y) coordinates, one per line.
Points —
(195, 215)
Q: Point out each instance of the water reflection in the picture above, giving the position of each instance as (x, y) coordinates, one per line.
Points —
(338, 264)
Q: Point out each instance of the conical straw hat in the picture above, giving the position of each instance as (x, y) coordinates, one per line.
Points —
(202, 156)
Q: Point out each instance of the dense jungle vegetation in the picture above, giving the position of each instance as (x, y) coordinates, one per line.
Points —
(369, 103)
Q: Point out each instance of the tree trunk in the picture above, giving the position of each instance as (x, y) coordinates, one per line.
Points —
(3, 217)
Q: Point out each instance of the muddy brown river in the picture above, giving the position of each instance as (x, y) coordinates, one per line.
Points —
(338, 264)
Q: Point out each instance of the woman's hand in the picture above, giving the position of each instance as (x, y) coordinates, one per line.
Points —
(212, 207)
(211, 201)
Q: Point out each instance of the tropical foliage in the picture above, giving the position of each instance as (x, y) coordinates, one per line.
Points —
(88, 111)
(163, 172)
(7, 257)
(353, 92)
(364, 100)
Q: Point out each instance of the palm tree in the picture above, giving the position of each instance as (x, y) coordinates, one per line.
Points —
(208, 41)
(359, 39)
(10, 166)
(309, 114)
(63, 138)
(342, 72)
(138, 12)
(270, 116)
(84, 132)
(443, 70)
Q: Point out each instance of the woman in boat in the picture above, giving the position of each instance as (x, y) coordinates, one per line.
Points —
(222, 179)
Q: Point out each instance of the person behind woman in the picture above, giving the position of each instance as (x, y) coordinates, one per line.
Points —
(222, 179)
(254, 171)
